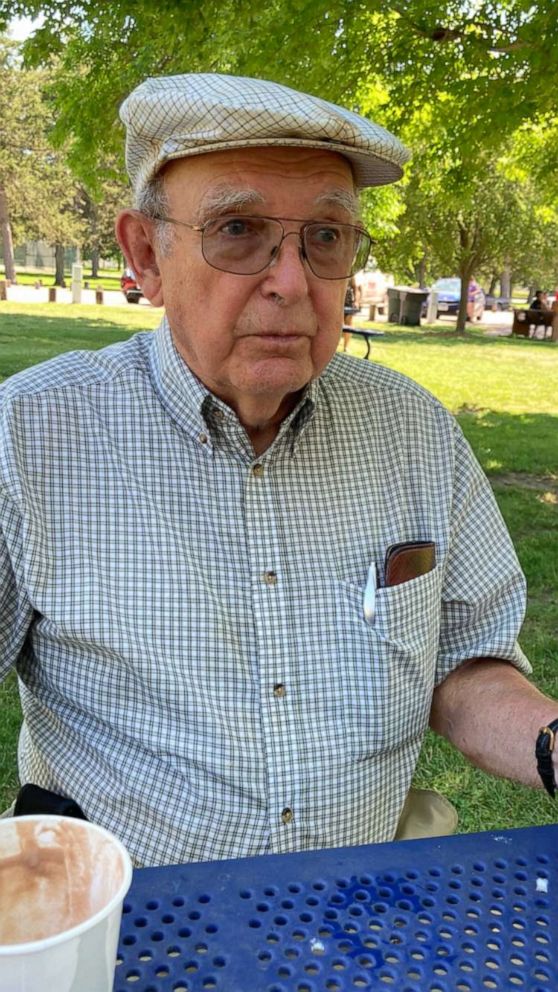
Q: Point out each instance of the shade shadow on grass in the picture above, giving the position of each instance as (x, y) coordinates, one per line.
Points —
(505, 442)
(58, 327)
(27, 339)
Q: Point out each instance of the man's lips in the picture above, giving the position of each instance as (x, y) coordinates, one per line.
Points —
(280, 335)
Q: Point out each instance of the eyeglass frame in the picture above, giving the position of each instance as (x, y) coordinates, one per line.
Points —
(200, 228)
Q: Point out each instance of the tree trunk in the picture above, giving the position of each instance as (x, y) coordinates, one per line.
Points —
(421, 273)
(95, 259)
(492, 287)
(465, 274)
(7, 244)
(59, 263)
(506, 283)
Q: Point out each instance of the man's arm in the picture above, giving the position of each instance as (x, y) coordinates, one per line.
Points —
(492, 714)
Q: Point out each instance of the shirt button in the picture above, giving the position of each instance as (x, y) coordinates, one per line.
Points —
(258, 470)
(279, 690)
(202, 438)
(270, 578)
(287, 816)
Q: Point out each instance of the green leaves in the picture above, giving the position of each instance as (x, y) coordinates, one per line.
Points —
(468, 85)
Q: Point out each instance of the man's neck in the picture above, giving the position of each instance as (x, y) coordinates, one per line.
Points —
(262, 419)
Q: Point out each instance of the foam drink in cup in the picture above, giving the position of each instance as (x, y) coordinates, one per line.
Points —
(62, 885)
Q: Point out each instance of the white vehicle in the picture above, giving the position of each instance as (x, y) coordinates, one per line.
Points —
(373, 286)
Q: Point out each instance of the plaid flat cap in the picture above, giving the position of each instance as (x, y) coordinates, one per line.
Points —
(169, 117)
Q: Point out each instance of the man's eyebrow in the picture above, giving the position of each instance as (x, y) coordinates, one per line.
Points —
(225, 200)
(340, 198)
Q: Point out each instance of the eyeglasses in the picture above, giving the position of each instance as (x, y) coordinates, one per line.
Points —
(247, 245)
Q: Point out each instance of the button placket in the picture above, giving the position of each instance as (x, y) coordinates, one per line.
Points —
(271, 612)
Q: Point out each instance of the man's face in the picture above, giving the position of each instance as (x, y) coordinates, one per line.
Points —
(254, 340)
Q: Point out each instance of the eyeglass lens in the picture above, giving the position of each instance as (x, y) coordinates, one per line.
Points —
(247, 245)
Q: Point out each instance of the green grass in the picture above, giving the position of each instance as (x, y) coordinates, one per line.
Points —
(32, 333)
(107, 279)
(504, 393)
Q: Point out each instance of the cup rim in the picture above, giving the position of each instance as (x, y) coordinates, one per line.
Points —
(34, 946)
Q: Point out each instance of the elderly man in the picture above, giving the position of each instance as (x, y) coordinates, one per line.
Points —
(213, 660)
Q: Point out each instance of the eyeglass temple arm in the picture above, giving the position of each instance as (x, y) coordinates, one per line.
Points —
(181, 223)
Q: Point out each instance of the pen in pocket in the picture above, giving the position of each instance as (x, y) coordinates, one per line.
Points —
(369, 602)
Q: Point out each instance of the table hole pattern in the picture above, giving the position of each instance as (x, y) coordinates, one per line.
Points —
(470, 926)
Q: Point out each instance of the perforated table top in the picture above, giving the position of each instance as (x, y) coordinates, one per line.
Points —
(460, 914)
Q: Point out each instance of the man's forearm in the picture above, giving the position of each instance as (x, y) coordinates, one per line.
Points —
(489, 710)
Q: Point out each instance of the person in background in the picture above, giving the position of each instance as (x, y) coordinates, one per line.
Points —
(473, 293)
(350, 307)
(540, 301)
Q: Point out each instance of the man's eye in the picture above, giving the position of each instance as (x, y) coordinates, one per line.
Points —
(236, 227)
(325, 235)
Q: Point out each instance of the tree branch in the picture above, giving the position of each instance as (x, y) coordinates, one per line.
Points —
(442, 34)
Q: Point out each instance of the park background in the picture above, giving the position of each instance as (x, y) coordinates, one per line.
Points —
(470, 89)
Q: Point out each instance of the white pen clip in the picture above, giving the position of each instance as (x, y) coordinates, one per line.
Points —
(369, 602)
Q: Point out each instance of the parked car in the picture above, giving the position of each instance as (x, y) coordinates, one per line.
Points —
(129, 286)
(496, 302)
(449, 295)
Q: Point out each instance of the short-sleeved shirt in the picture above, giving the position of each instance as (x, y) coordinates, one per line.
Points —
(186, 619)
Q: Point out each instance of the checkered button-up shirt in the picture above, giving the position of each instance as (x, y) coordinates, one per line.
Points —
(187, 620)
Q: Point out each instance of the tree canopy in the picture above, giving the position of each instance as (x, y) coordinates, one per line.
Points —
(492, 62)
(468, 84)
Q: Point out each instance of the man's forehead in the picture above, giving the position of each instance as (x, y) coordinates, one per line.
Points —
(242, 179)
(288, 163)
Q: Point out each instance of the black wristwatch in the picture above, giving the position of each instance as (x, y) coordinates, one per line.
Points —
(544, 749)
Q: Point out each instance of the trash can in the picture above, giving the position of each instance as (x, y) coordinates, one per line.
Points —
(412, 301)
(394, 304)
(405, 305)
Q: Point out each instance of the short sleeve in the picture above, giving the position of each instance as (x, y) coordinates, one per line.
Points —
(16, 612)
(484, 589)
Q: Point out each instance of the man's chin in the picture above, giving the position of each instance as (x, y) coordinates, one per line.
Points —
(278, 374)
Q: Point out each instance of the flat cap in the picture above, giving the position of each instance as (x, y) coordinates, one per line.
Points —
(170, 117)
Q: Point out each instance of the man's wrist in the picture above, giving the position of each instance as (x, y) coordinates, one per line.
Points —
(546, 755)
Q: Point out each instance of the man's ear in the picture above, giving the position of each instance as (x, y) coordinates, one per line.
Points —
(135, 233)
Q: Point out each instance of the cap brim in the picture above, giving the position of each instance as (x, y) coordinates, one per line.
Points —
(369, 168)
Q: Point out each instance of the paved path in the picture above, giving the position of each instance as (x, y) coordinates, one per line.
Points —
(28, 294)
(494, 324)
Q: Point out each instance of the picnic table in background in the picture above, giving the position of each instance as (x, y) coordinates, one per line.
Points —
(365, 333)
(526, 322)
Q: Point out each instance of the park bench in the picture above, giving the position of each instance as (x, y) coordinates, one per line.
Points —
(525, 323)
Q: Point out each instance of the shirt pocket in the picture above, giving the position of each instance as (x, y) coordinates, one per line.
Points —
(390, 665)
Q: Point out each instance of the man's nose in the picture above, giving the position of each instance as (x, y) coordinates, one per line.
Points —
(287, 273)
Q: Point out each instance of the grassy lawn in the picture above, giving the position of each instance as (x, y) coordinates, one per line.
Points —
(107, 278)
(504, 393)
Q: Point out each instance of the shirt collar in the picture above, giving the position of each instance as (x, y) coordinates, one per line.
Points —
(196, 410)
